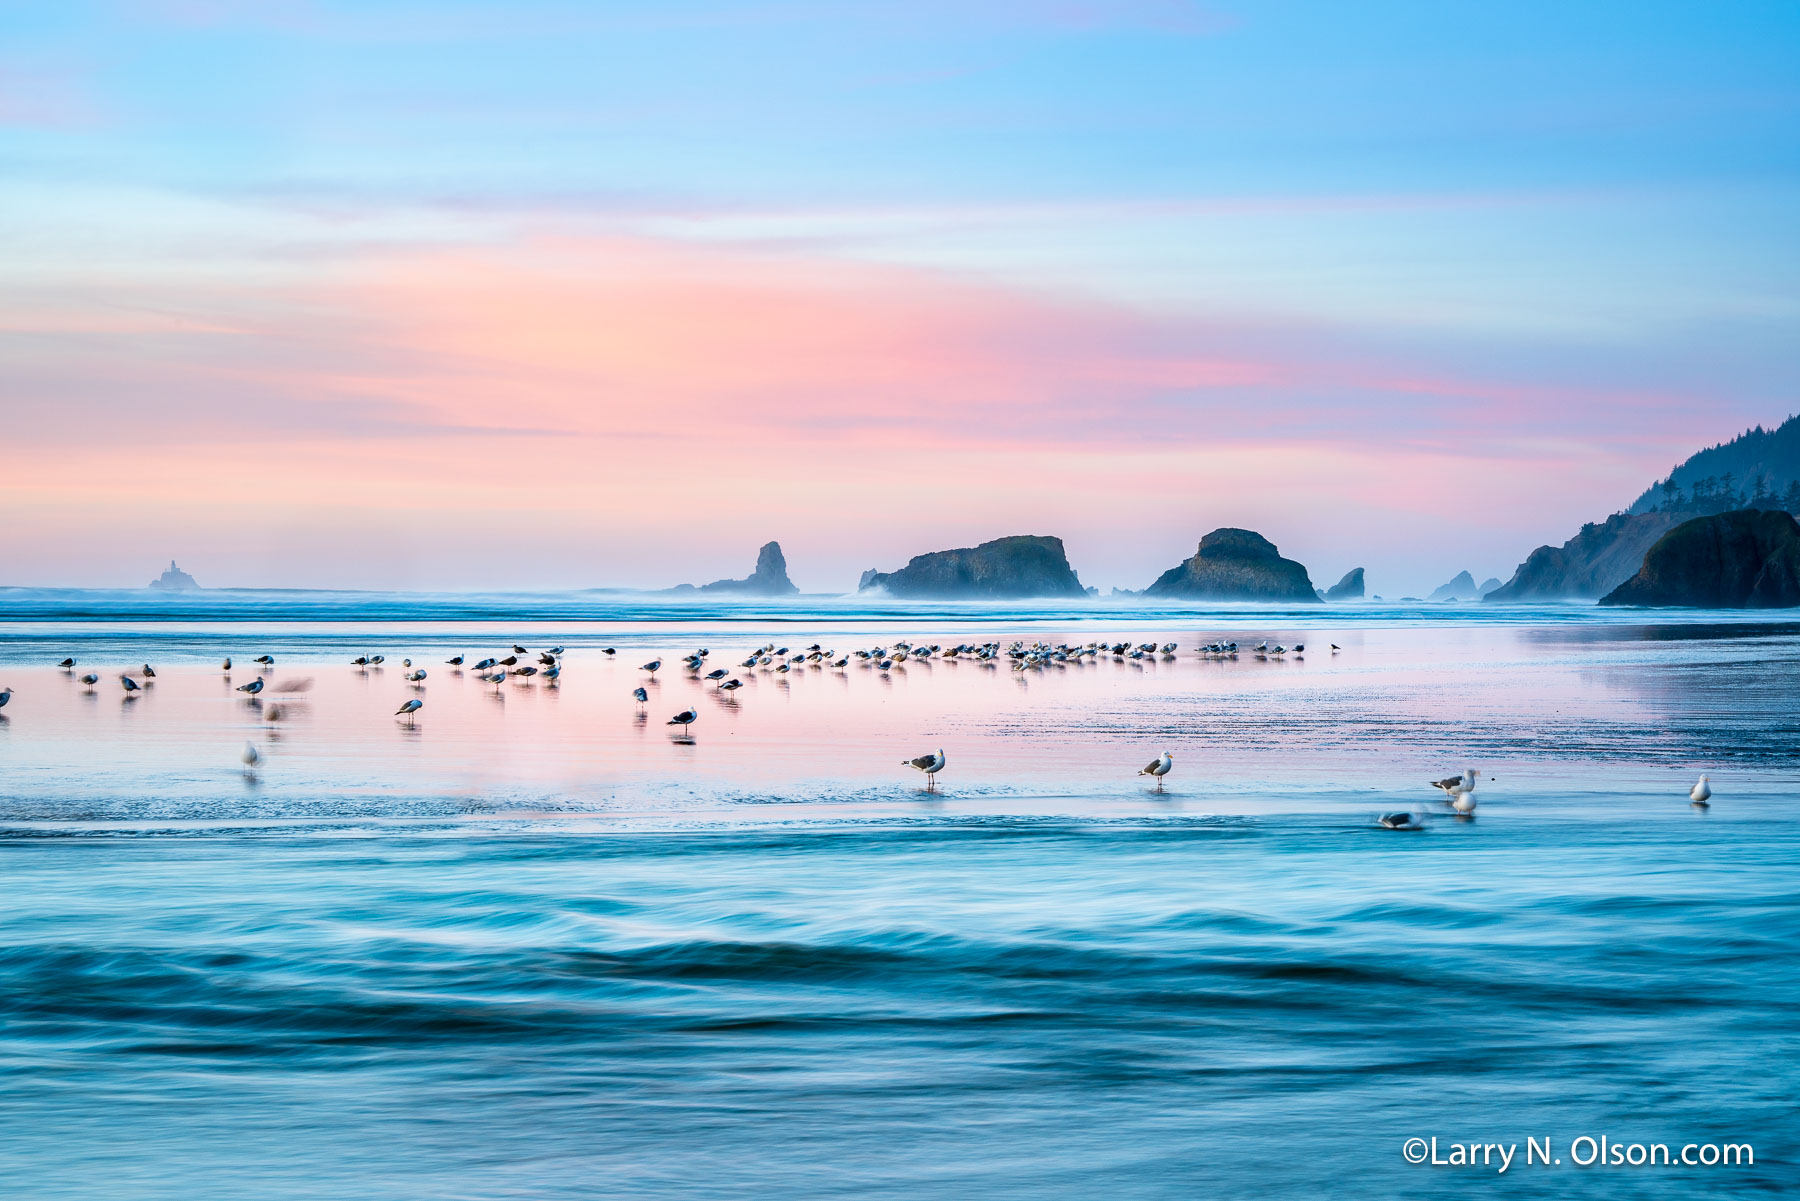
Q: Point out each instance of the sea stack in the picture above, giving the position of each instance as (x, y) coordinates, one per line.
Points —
(1024, 565)
(174, 580)
(1236, 565)
(1461, 587)
(769, 579)
(1348, 588)
(1746, 559)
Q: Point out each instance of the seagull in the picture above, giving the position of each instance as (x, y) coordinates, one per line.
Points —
(374, 660)
(251, 756)
(551, 673)
(607, 650)
(1455, 786)
(519, 650)
(5, 695)
(409, 708)
(639, 695)
(268, 661)
(66, 664)
(931, 765)
(360, 661)
(416, 675)
(149, 672)
(130, 684)
(90, 679)
(253, 687)
(456, 662)
(654, 666)
(1159, 767)
(684, 719)
(484, 664)
(509, 661)
(497, 679)
(225, 666)
(1701, 794)
(731, 685)
(1400, 821)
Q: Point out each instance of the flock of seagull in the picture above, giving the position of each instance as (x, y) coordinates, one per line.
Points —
(1458, 790)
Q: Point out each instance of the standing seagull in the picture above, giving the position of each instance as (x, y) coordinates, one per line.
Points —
(66, 664)
(1456, 786)
(1159, 767)
(90, 679)
(149, 672)
(1701, 794)
(253, 687)
(269, 661)
(225, 666)
(639, 695)
(5, 695)
(684, 719)
(251, 757)
(129, 684)
(654, 666)
(409, 708)
(931, 765)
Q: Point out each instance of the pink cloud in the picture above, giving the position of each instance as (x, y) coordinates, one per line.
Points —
(582, 411)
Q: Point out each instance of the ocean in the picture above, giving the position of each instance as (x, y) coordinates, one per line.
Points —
(541, 944)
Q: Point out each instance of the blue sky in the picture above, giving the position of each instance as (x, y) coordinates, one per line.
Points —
(1543, 249)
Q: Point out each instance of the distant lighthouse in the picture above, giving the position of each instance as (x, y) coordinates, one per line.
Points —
(174, 580)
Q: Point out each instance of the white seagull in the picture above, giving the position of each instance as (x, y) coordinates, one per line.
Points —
(654, 666)
(409, 708)
(5, 695)
(1701, 794)
(639, 695)
(1159, 767)
(251, 756)
(684, 719)
(253, 687)
(931, 765)
(1457, 786)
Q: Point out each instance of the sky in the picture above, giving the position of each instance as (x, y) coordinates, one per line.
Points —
(549, 294)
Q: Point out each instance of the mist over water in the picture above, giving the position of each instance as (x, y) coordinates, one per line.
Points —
(539, 946)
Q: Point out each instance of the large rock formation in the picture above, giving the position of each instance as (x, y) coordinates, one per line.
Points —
(1489, 585)
(1348, 588)
(769, 579)
(1021, 566)
(1239, 565)
(1461, 587)
(174, 580)
(1748, 559)
(1592, 563)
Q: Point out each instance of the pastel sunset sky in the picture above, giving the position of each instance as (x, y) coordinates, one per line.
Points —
(559, 294)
